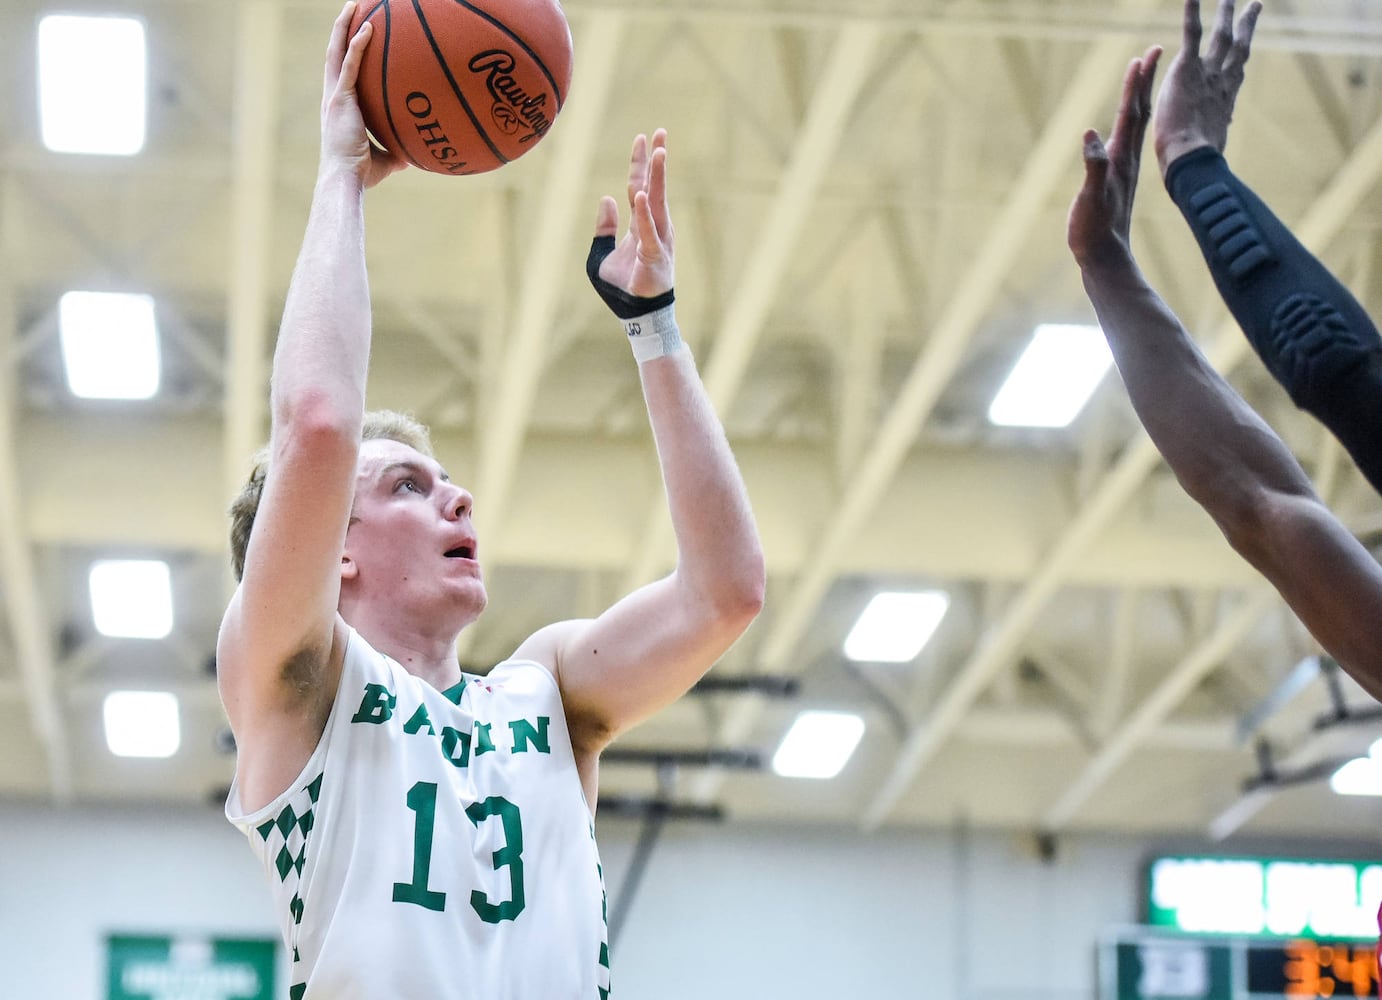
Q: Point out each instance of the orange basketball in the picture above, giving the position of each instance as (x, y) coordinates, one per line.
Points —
(460, 87)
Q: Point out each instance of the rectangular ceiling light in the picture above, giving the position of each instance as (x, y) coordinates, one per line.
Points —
(818, 745)
(895, 626)
(91, 84)
(131, 598)
(142, 723)
(109, 344)
(1054, 378)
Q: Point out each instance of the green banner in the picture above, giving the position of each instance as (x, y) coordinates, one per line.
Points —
(189, 967)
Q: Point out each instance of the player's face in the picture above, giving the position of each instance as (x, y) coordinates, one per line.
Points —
(411, 541)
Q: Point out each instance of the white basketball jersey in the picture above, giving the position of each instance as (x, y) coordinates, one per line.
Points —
(438, 844)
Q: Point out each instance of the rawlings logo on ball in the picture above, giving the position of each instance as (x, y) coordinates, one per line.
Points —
(513, 107)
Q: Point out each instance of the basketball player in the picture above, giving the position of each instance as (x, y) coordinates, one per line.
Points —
(1312, 334)
(1223, 453)
(428, 833)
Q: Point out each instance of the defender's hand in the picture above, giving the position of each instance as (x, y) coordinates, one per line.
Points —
(1101, 216)
(1196, 101)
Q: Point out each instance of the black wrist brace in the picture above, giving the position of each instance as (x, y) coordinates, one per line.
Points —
(624, 305)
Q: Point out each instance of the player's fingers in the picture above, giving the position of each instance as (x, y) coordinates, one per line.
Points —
(1142, 95)
(1191, 30)
(355, 54)
(1221, 38)
(645, 230)
(336, 46)
(1130, 105)
(657, 190)
(1151, 59)
(1095, 160)
(1242, 39)
(638, 166)
(607, 217)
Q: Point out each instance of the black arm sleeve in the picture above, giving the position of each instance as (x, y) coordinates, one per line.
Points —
(1310, 332)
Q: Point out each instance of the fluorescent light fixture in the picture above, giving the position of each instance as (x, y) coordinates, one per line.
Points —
(895, 625)
(142, 723)
(1360, 776)
(109, 344)
(1054, 378)
(818, 745)
(131, 598)
(91, 84)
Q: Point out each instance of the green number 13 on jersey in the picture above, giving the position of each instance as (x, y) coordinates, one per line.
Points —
(422, 800)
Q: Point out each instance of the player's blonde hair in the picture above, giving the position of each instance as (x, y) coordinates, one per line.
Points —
(387, 425)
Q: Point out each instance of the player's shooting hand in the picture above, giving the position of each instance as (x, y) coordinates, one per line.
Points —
(1196, 101)
(344, 141)
(642, 262)
(1101, 216)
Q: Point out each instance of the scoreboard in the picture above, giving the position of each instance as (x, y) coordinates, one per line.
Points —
(1147, 964)
(1308, 898)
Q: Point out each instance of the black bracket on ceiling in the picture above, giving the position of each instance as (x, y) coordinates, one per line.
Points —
(651, 807)
(1340, 712)
(769, 685)
(735, 760)
(1268, 775)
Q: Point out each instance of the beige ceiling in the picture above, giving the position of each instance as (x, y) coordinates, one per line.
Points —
(870, 202)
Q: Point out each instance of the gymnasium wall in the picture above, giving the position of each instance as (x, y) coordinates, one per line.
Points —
(728, 911)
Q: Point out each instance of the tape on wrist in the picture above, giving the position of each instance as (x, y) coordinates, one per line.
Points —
(654, 334)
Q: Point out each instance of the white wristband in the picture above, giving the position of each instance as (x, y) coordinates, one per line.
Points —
(654, 334)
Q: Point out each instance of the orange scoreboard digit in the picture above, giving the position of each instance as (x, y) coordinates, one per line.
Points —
(1312, 969)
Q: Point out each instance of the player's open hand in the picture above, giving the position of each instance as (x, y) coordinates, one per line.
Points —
(642, 262)
(344, 141)
(1101, 216)
(1196, 101)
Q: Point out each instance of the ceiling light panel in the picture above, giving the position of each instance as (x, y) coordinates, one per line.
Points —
(818, 745)
(131, 598)
(1054, 378)
(91, 84)
(895, 626)
(109, 344)
(142, 723)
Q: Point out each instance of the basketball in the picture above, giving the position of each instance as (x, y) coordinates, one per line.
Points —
(462, 87)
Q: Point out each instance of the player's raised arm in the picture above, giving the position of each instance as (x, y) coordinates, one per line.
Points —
(276, 638)
(651, 646)
(1222, 452)
(1312, 334)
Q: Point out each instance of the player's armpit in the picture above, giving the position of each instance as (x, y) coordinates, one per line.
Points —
(639, 656)
(276, 725)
